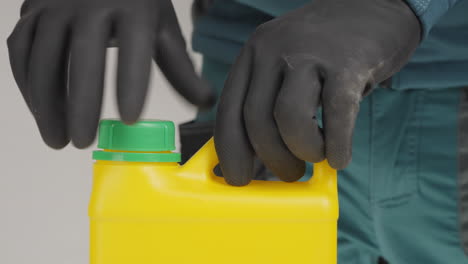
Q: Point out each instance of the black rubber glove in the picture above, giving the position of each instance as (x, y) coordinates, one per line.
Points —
(329, 53)
(57, 53)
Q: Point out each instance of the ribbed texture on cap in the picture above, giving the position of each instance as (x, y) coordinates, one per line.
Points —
(143, 136)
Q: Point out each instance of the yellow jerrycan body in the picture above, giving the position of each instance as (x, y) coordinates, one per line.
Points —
(146, 208)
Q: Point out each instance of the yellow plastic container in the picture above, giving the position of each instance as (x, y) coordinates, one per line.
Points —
(161, 212)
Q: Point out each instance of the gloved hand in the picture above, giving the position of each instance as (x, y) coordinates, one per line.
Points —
(57, 53)
(329, 53)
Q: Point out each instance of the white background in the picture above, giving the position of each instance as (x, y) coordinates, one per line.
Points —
(44, 193)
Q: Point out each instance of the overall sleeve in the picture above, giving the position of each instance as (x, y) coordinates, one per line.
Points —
(430, 11)
(439, 61)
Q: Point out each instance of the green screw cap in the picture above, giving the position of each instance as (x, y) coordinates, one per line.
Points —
(144, 138)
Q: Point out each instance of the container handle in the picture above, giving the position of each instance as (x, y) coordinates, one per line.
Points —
(206, 159)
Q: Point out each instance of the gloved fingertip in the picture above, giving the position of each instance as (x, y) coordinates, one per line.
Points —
(81, 145)
(203, 96)
(55, 137)
(208, 101)
(238, 182)
(293, 174)
(83, 142)
(339, 163)
(129, 115)
(56, 143)
(129, 120)
(237, 174)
